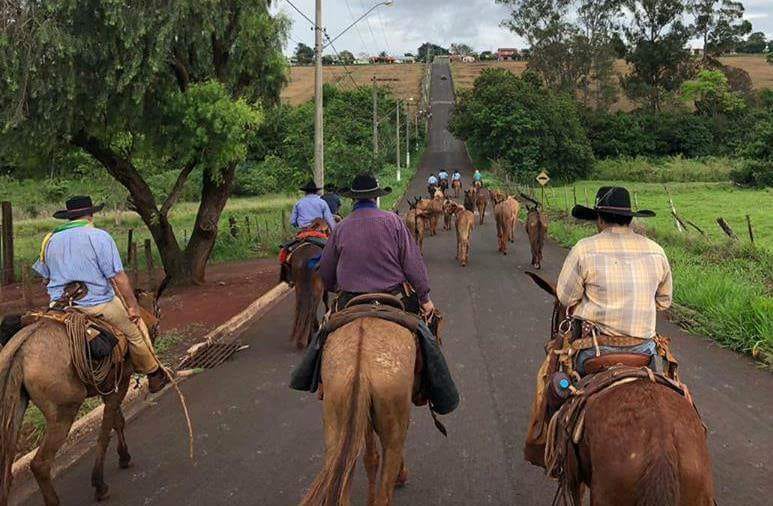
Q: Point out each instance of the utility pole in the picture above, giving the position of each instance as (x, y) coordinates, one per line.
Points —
(319, 139)
(375, 119)
(407, 137)
(397, 144)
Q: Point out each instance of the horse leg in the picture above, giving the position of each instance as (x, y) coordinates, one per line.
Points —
(59, 419)
(119, 423)
(101, 490)
(392, 415)
(371, 465)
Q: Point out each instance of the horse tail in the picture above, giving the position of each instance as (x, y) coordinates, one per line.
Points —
(660, 482)
(306, 304)
(332, 483)
(12, 407)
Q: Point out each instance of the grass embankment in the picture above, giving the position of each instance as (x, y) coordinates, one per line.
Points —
(722, 288)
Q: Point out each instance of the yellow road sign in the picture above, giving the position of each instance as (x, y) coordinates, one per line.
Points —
(543, 178)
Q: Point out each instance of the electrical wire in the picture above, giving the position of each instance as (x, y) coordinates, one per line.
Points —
(357, 29)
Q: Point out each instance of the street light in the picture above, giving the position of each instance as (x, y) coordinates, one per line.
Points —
(319, 139)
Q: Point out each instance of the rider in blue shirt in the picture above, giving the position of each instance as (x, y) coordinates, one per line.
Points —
(457, 176)
(442, 174)
(432, 182)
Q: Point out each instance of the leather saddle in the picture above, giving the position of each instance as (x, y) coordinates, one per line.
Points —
(378, 299)
(602, 363)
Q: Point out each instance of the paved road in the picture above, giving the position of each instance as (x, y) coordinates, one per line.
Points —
(259, 443)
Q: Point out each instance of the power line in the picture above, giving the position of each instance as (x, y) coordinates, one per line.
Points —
(383, 32)
(367, 22)
(357, 28)
(301, 13)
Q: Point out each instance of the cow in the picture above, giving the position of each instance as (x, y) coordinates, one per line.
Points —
(536, 228)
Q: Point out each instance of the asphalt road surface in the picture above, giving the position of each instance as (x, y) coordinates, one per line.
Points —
(260, 443)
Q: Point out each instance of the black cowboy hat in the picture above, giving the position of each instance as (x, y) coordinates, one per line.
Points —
(365, 186)
(78, 207)
(330, 187)
(610, 200)
(310, 187)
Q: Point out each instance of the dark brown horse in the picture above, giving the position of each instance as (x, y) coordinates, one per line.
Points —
(309, 289)
(536, 228)
(482, 197)
(643, 444)
(36, 365)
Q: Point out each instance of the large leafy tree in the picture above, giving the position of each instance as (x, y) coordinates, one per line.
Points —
(656, 53)
(140, 87)
(520, 122)
(599, 22)
(719, 24)
(425, 49)
(304, 54)
(754, 44)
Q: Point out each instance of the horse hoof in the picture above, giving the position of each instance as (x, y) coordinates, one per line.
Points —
(402, 478)
(102, 493)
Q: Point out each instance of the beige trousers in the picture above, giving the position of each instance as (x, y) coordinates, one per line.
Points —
(140, 348)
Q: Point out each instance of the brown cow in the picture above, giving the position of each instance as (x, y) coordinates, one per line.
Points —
(433, 210)
(506, 216)
(465, 221)
(481, 201)
(449, 206)
(469, 199)
(537, 228)
(497, 197)
(417, 223)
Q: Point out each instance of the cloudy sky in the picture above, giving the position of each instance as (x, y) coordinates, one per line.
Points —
(407, 24)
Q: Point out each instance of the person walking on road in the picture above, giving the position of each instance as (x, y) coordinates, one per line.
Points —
(310, 208)
(78, 252)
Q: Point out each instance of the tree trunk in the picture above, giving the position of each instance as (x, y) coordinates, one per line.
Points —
(214, 195)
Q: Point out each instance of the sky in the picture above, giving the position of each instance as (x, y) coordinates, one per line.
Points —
(407, 24)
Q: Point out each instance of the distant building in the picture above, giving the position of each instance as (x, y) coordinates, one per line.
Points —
(507, 54)
(696, 51)
(409, 59)
(382, 59)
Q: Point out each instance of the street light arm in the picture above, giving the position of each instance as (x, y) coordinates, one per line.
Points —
(330, 41)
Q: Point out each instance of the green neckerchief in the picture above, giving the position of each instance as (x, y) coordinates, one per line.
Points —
(60, 228)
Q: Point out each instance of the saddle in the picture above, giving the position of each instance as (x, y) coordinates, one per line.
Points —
(313, 237)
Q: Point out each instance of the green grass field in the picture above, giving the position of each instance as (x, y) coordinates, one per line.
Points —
(722, 288)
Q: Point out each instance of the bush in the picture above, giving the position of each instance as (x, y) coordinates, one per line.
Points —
(758, 173)
(665, 170)
(527, 126)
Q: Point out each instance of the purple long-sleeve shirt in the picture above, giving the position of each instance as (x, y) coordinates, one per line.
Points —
(373, 251)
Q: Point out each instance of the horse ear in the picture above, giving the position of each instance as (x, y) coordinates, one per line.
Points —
(542, 283)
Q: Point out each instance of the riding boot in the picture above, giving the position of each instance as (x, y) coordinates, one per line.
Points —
(157, 380)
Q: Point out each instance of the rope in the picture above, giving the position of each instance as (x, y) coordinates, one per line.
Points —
(89, 371)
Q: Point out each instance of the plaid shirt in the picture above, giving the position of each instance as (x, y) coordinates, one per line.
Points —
(617, 279)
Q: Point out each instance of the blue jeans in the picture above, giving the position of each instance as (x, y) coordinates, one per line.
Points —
(646, 348)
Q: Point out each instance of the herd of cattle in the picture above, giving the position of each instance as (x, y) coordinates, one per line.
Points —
(424, 216)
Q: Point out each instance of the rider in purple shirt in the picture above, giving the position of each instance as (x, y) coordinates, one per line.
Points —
(372, 250)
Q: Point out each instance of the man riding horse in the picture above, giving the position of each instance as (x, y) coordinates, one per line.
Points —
(310, 208)
(78, 252)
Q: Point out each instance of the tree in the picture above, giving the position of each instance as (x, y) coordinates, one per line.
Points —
(427, 48)
(553, 39)
(711, 94)
(755, 44)
(346, 57)
(487, 56)
(657, 55)
(461, 49)
(328, 60)
(719, 24)
(518, 121)
(304, 54)
(598, 20)
(144, 87)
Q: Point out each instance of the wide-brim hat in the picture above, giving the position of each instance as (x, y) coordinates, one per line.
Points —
(365, 186)
(78, 207)
(610, 200)
(310, 187)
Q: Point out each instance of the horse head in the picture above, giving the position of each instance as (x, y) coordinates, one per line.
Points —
(413, 203)
(320, 225)
(149, 301)
(559, 311)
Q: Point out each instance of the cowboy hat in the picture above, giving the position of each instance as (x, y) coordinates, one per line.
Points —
(78, 207)
(610, 200)
(310, 187)
(365, 186)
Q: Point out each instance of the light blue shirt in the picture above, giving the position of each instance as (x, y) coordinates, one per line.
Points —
(456, 176)
(443, 174)
(477, 176)
(85, 254)
(308, 209)
(432, 180)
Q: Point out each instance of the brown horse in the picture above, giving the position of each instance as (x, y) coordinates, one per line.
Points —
(481, 201)
(309, 289)
(36, 365)
(642, 444)
(449, 208)
(506, 217)
(368, 373)
(536, 228)
(469, 199)
(433, 210)
(456, 185)
(465, 221)
(416, 221)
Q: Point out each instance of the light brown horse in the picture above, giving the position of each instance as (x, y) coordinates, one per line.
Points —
(643, 444)
(456, 185)
(506, 217)
(368, 373)
(309, 289)
(465, 221)
(36, 366)
(449, 208)
(417, 221)
(433, 210)
(536, 228)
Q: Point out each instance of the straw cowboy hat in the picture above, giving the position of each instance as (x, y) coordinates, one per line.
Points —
(610, 200)
(365, 186)
(78, 207)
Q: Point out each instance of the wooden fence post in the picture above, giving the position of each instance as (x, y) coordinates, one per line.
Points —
(751, 232)
(284, 223)
(679, 226)
(129, 246)
(26, 288)
(134, 265)
(149, 265)
(247, 226)
(233, 228)
(587, 204)
(7, 275)
(566, 201)
(574, 194)
(726, 228)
